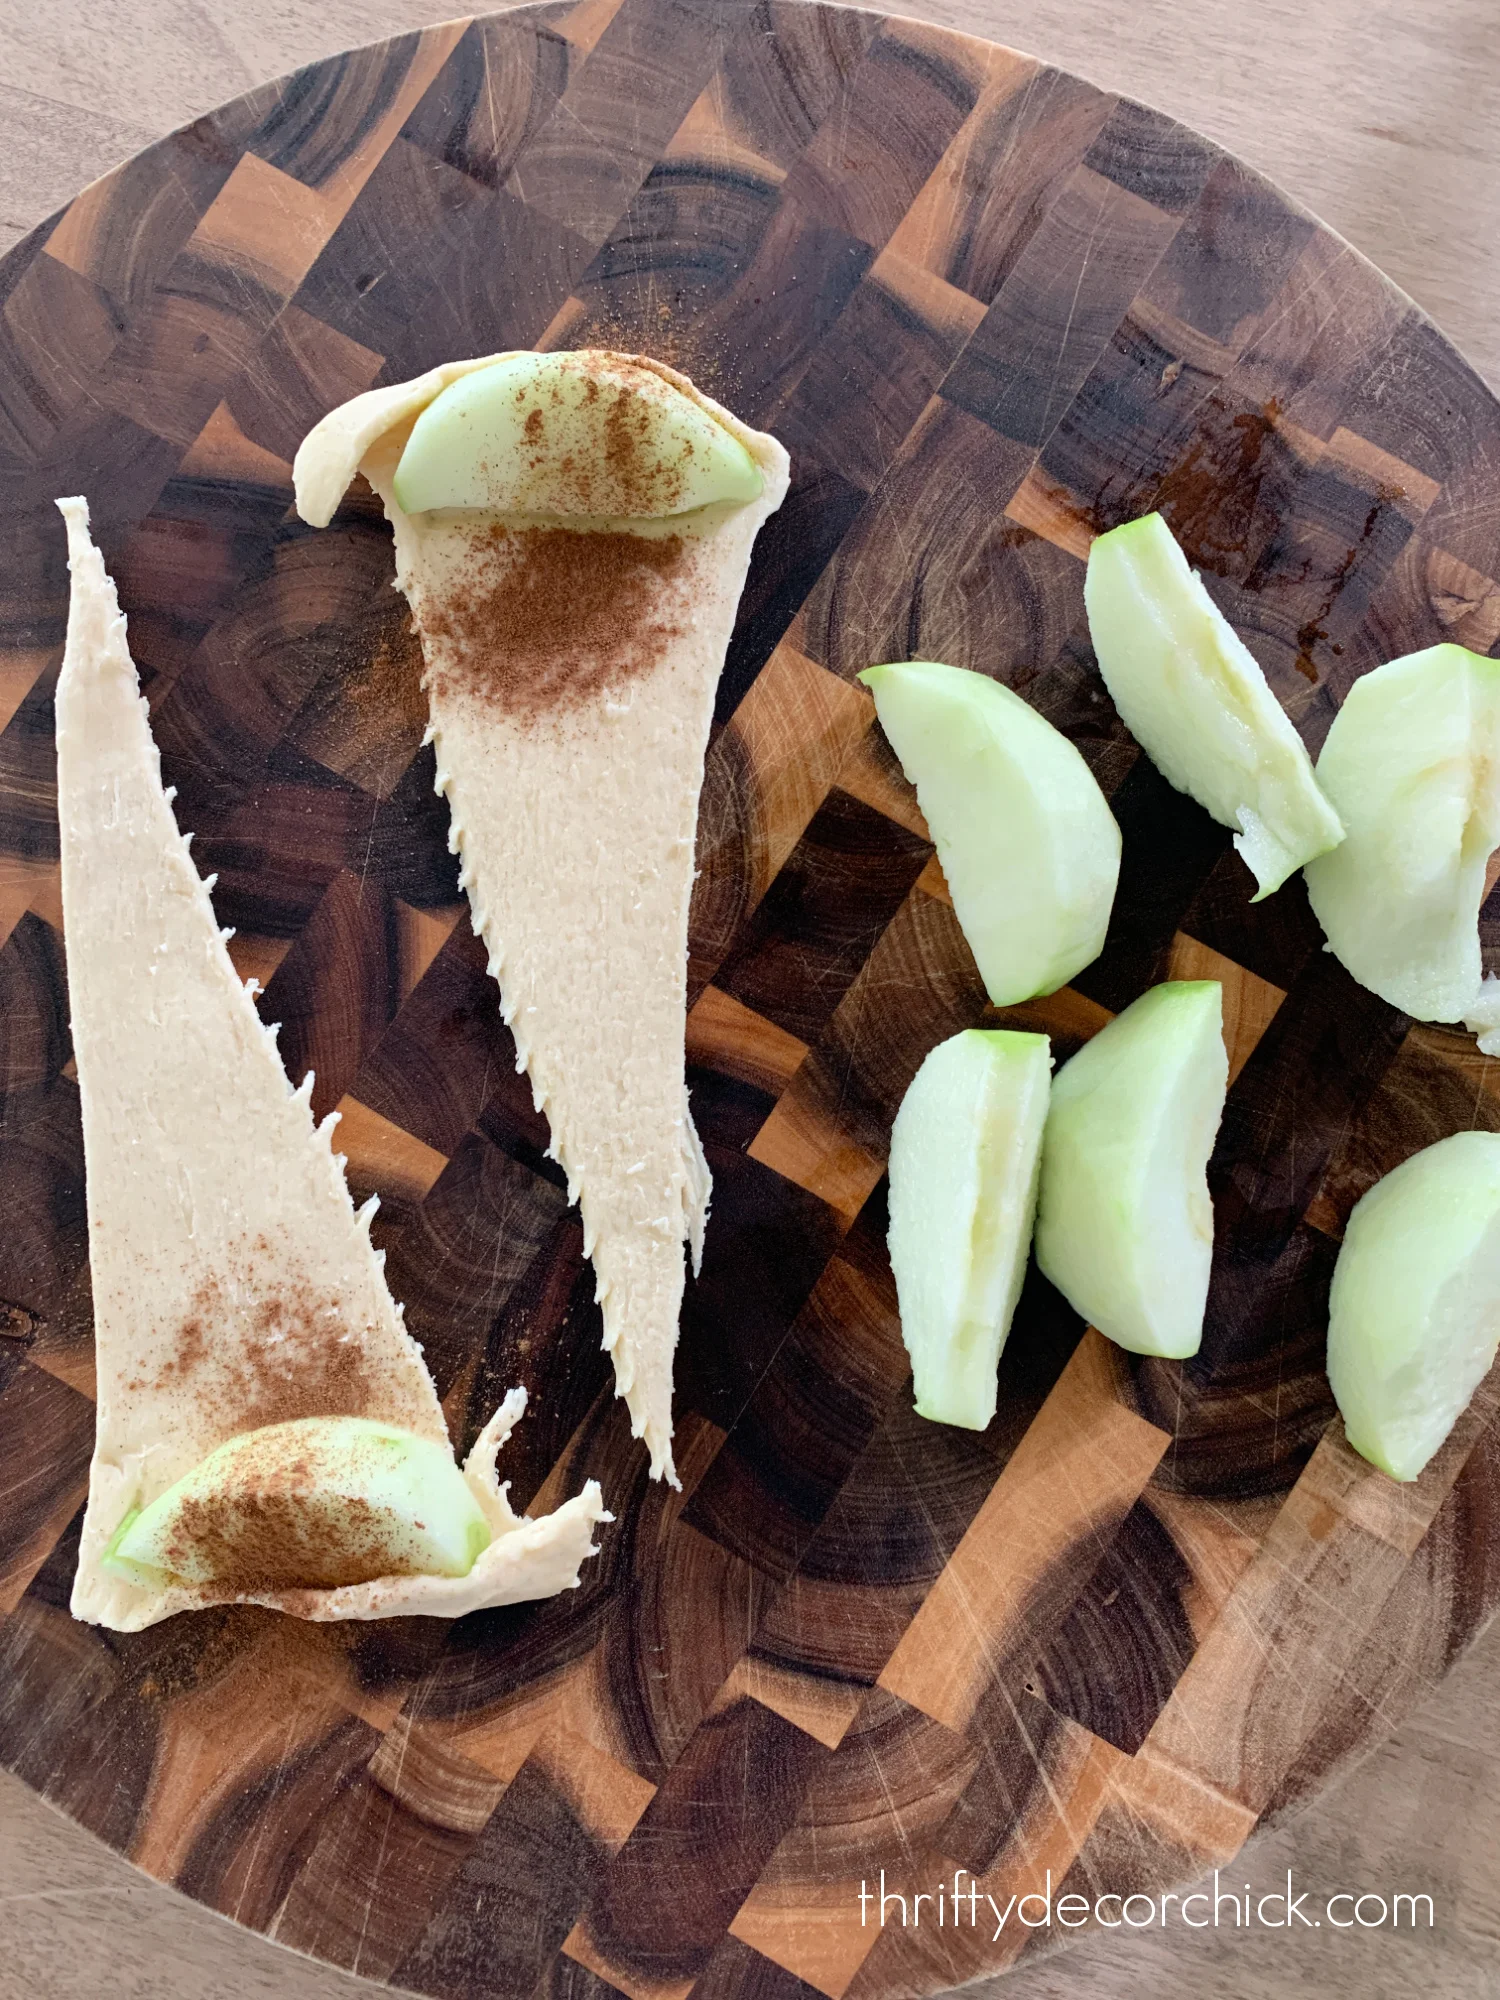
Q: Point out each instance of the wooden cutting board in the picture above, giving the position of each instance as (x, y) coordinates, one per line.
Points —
(990, 309)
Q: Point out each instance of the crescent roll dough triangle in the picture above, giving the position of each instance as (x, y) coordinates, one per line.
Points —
(573, 787)
(234, 1284)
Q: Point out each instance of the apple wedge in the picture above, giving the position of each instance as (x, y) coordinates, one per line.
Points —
(316, 1503)
(1030, 849)
(1414, 1315)
(522, 437)
(1124, 1220)
(1412, 763)
(1194, 697)
(965, 1150)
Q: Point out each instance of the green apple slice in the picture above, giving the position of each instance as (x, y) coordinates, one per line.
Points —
(1124, 1220)
(315, 1503)
(965, 1150)
(1412, 763)
(1030, 849)
(528, 436)
(1414, 1316)
(1194, 697)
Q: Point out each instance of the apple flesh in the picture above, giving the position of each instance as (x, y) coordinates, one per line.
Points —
(1030, 849)
(1194, 697)
(965, 1150)
(571, 434)
(1414, 1315)
(1124, 1219)
(1412, 763)
(311, 1504)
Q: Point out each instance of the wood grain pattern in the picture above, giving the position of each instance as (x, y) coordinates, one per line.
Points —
(992, 310)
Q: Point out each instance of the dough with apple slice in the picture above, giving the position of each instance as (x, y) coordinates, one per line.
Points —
(1193, 695)
(573, 533)
(237, 1296)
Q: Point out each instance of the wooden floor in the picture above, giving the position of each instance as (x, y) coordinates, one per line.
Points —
(1383, 117)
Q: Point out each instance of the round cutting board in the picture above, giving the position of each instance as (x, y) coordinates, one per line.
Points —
(990, 309)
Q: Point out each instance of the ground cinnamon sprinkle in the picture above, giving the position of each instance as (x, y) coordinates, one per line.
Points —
(629, 476)
(293, 1353)
(265, 1536)
(255, 1350)
(544, 620)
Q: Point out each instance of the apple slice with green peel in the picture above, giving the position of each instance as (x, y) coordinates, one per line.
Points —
(1124, 1221)
(1030, 849)
(965, 1149)
(315, 1504)
(1194, 697)
(1414, 1316)
(1412, 763)
(523, 437)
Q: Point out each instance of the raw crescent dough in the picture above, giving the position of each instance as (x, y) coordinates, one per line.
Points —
(576, 835)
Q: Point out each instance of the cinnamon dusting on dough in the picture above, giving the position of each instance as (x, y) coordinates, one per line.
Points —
(264, 1535)
(628, 475)
(543, 620)
(270, 1352)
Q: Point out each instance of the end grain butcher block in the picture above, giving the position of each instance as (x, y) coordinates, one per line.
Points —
(990, 310)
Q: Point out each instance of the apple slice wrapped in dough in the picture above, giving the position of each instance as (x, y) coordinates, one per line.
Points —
(573, 533)
(237, 1295)
(1412, 763)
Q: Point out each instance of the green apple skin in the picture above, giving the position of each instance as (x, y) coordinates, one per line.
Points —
(1412, 763)
(965, 1153)
(515, 438)
(338, 1494)
(1028, 845)
(1124, 1218)
(1194, 697)
(1414, 1314)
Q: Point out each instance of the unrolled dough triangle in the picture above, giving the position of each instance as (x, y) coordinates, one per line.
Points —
(234, 1285)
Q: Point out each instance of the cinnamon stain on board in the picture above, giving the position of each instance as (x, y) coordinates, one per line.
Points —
(1314, 631)
(1195, 496)
(1210, 504)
